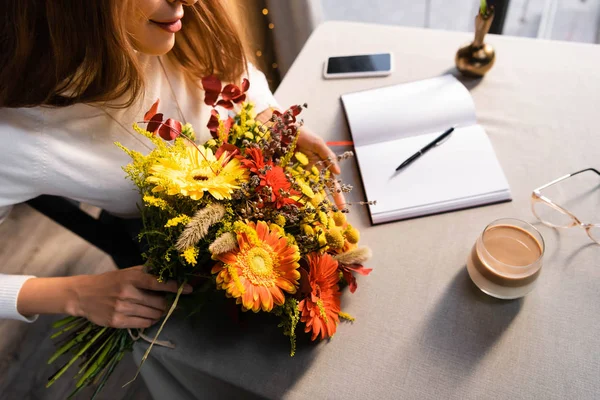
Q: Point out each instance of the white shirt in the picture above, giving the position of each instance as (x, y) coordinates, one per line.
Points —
(70, 151)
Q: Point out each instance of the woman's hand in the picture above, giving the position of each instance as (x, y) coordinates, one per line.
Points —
(315, 148)
(128, 298)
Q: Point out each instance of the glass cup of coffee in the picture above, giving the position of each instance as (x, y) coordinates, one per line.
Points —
(506, 260)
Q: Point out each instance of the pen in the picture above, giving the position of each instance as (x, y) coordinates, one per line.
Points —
(437, 141)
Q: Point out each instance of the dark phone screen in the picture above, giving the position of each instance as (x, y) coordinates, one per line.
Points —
(364, 63)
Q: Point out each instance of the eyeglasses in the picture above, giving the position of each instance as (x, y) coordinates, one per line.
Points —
(551, 214)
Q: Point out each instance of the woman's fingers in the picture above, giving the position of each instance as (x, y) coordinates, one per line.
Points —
(123, 322)
(149, 282)
(129, 309)
(149, 299)
(321, 148)
(338, 196)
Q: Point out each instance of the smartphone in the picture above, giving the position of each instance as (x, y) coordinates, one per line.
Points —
(358, 66)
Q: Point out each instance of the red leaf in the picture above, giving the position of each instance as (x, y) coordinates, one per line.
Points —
(170, 129)
(358, 269)
(152, 111)
(233, 93)
(210, 98)
(239, 99)
(211, 84)
(230, 92)
(154, 123)
(231, 151)
(213, 123)
(225, 104)
(295, 110)
(212, 87)
(351, 280)
(245, 85)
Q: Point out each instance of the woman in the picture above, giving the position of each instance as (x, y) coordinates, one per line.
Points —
(74, 76)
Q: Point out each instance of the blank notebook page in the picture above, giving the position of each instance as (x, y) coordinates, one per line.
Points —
(461, 172)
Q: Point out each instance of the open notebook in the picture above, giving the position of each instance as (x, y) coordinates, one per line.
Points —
(390, 124)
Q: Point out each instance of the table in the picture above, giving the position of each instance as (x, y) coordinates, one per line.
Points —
(422, 329)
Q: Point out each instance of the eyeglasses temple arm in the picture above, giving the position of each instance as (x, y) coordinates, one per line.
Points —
(565, 177)
(555, 181)
(587, 169)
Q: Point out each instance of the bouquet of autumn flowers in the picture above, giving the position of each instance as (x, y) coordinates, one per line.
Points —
(244, 214)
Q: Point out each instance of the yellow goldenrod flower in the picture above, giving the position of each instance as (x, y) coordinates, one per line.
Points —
(280, 220)
(155, 202)
(240, 227)
(181, 219)
(301, 157)
(190, 255)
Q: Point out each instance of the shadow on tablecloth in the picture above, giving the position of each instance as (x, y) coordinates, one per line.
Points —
(464, 325)
(469, 83)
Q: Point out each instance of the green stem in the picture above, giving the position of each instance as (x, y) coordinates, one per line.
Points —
(62, 322)
(67, 346)
(108, 340)
(111, 367)
(483, 7)
(83, 350)
(94, 367)
(75, 323)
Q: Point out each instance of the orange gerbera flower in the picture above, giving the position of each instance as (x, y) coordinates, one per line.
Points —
(257, 273)
(321, 308)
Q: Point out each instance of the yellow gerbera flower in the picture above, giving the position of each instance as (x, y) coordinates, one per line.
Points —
(260, 269)
(197, 171)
